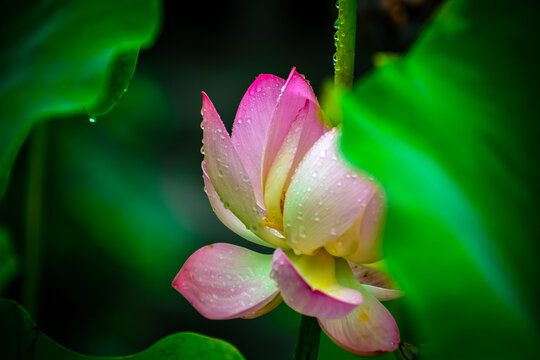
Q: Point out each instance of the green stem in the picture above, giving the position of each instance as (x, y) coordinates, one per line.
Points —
(307, 341)
(34, 200)
(345, 39)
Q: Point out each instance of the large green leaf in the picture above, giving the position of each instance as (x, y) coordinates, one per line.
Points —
(21, 339)
(60, 56)
(451, 130)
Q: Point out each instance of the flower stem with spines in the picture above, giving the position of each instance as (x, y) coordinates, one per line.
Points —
(307, 340)
(34, 213)
(345, 39)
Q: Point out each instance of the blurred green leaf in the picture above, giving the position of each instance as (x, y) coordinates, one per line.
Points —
(55, 59)
(9, 263)
(120, 72)
(451, 130)
(21, 339)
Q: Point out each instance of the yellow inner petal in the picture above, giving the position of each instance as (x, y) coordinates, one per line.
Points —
(318, 270)
(278, 179)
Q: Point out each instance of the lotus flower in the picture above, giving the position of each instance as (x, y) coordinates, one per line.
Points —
(280, 181)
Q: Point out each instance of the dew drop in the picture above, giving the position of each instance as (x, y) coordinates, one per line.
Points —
(202, 149)
(336, 24)
(302, 231)
(333, 231)
(226, 205)
(337, 4)
(92, 120)
(297, 252)
(220, 173)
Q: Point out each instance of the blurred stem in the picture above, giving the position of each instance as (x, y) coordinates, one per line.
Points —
(33, 224)
(345, 39)
(307, 341)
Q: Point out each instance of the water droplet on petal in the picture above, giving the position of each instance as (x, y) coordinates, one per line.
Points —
(202, 149)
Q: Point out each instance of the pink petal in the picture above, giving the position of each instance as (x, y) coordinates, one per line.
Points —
(224, 281)
(379, 284)
(368, 330)
(225, 215)
(360, 243)
(304, 132)
(251, 126)
(308, 285)
(228, 176)
(293, 98)
(325, 197)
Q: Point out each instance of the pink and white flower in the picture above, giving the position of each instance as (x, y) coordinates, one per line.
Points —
(280, 181)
